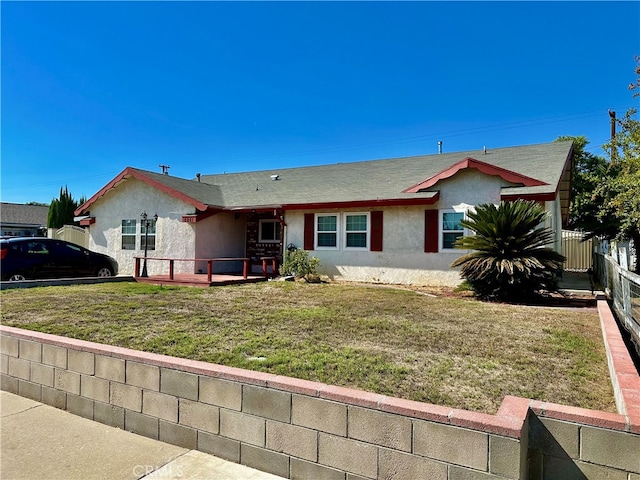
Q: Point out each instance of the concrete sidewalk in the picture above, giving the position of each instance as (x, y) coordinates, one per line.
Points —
(41, 442)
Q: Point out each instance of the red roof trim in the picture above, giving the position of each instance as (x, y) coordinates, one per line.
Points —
(87, 221)
(132, 172)
(392, 202)
(485, 168)
(539, 197)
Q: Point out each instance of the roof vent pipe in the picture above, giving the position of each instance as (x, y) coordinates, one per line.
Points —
(440, 146)
(198, 177)
(165, 169)
(484, 150)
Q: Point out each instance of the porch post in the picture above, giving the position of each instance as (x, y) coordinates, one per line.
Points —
(209, 270)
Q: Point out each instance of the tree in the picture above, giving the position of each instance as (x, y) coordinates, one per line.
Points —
(62, 208)
(620, 187)
(588, 170)
(510, 260)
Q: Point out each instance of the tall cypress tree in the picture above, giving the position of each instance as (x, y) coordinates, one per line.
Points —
(61, 209)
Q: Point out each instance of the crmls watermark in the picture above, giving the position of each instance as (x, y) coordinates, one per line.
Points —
(168, 471)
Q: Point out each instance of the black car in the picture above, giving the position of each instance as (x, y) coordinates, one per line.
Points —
(34, 258)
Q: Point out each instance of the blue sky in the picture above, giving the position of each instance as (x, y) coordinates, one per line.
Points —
(89, 88)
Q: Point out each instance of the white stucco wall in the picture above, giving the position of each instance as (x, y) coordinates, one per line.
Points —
(403, 260)
(222, 235)
(174, 238)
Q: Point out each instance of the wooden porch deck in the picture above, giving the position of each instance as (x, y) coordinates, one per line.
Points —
(200, 279)
(208, 279)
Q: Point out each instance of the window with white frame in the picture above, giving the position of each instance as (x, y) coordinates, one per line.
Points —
(148, 236)
(327, 231)
(128, 234)
(356, 230)
(450, 228)
(269, 231)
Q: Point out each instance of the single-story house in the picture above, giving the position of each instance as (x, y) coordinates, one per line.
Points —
(23, 220)
(388, 221)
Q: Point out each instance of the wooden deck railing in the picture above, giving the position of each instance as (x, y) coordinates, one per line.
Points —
(210, 261)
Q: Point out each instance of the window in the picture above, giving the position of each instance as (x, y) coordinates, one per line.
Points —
(356, 230)
(128, 234)
(269, 231)
(451, 229)
(148, 236)
(327, 231)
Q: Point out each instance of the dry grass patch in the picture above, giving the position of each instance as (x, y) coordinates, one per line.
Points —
(442, 349)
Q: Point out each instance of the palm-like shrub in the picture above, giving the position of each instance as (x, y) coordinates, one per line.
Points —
(510, 259)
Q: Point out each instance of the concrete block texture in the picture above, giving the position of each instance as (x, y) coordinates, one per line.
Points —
(450, 444)
(504, 457)
(182, 384)
(19, 368)
(383, 429)
(348, 455)
(462, 473)
(242, 427)
(30, 350)
(81, 362)
(221, 393)
(109, 415)
(80, 406)
(178, 435)
(141, 424)
(67, 381)
(264, 460)
(4, 363)
(266, 402)
(303, 470)
(402, 466)
(144, 376)
(126, 396)
(54, 398)
(42, 374)
(610, 448)
(110, 368)
(54, 356)
(569, 469)
(30, 390)
(554, 437)
(293, 440)
(9, 384)
(94, 388)
(9, 345)
(219, 446)
(160, 405)
(199, 415)
(323, 415)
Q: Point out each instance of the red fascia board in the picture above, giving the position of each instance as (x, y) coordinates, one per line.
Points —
(132, 172)
(391, 202)
(538, 197)
(483, 167)
(87, 221)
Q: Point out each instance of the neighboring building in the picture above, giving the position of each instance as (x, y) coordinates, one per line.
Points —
(388, 221)
(20, 220)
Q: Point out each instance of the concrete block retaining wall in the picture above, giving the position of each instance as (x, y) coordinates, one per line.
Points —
(307, 430)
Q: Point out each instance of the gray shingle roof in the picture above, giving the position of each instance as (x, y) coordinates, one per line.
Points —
(383, 179)
(368, 181)
(23, 215)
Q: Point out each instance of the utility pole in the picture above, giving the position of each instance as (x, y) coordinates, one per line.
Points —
(614, 150)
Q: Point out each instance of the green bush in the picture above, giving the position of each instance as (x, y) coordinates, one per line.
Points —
(510, 259)
(299, 264)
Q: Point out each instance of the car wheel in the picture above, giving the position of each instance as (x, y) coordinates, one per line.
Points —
(105, 272)
(16, 277)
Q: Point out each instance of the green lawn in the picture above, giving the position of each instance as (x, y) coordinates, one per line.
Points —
(444, 349)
